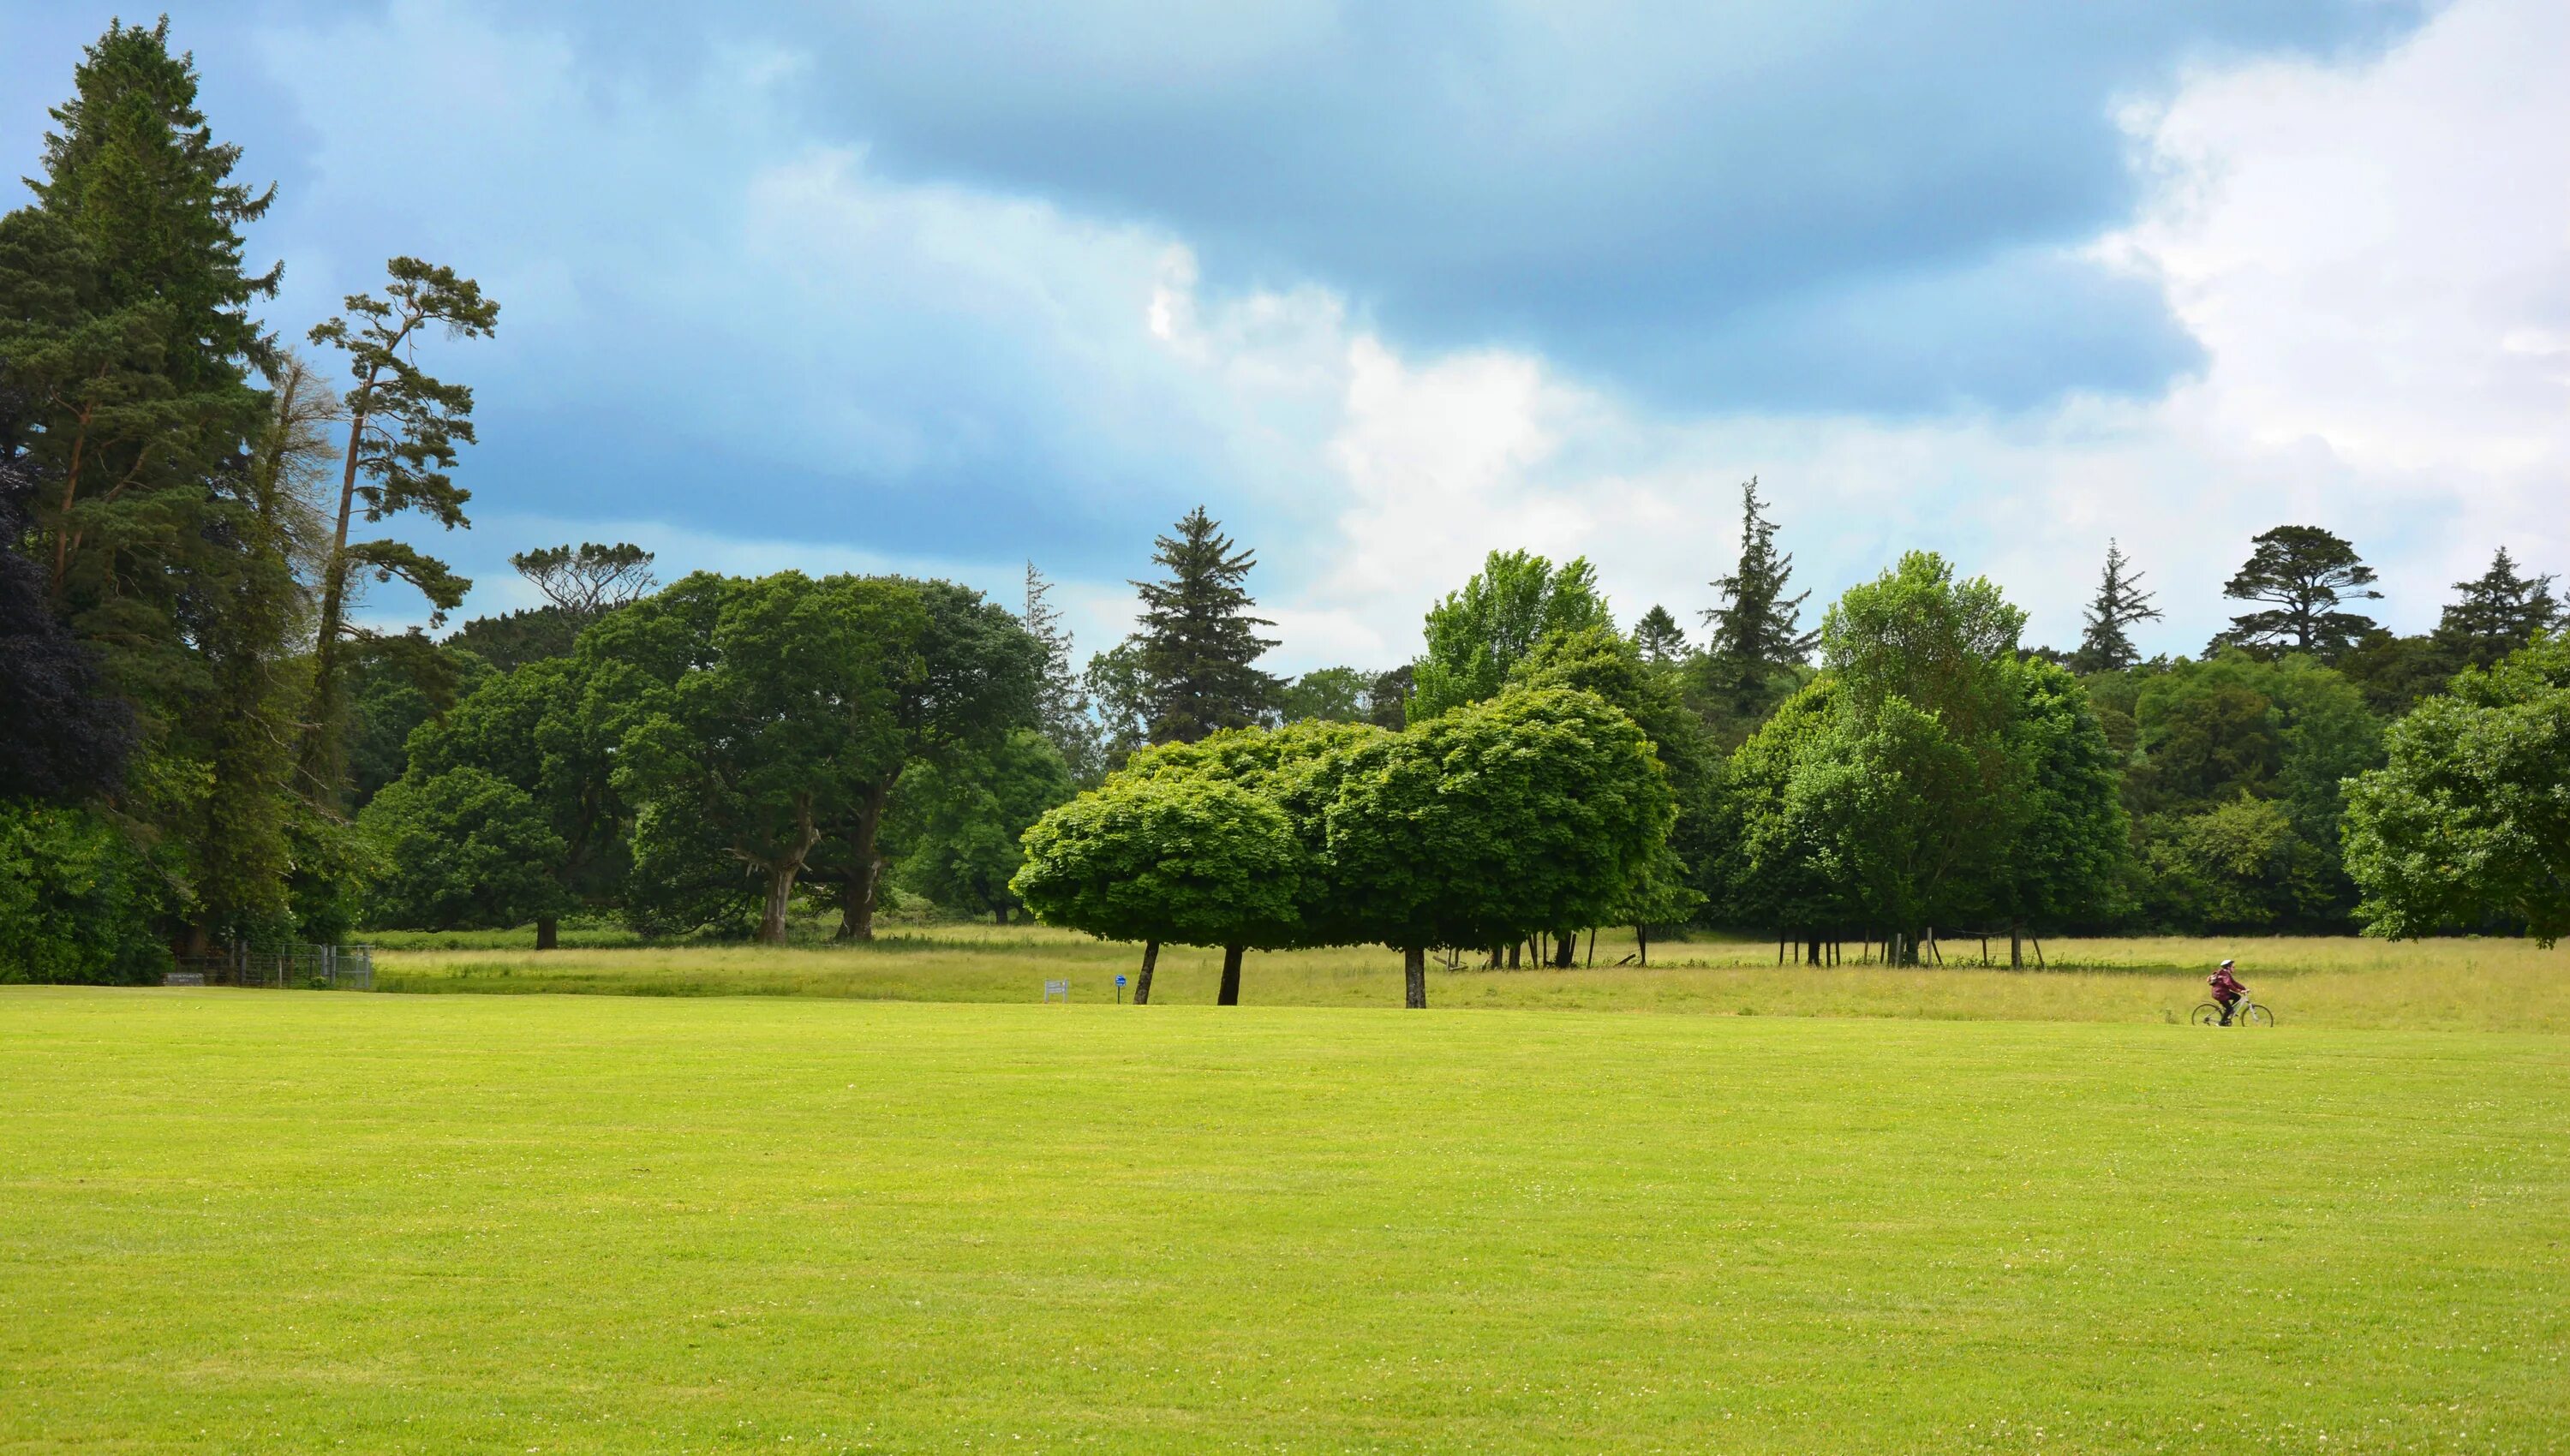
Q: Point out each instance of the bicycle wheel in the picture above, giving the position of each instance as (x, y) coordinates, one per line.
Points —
(2255, 1015)
(2206, 1014)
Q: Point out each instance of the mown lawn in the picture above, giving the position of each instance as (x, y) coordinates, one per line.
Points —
(306, 1222)
(2337, 983)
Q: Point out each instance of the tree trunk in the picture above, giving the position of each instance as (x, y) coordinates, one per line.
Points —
(1142, 982)
(1642, 944)
(1812, 952)
(999, 914)
(1513, 948)
(1592, 959)
(2016, 946)
(1414, 978)
(1229, 995)
(1566, 947)
(547, 932)
(865, 867)
(321, 731)
(780, 891)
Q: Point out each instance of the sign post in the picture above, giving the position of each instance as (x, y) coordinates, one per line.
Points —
(1119, 989)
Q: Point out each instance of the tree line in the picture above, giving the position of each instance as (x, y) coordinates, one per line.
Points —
(199, 745)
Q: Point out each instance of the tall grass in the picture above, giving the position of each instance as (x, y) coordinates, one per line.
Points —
(2484, 984)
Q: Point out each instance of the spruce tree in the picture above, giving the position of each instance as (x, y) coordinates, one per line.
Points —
(1758, 628)
(1198, 643)
(1658, 636)
(406, 427)
(2498, 613)
(2303, 572)
(2120, 602)
(1061, 698)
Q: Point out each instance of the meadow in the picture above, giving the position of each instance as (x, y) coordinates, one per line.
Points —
(247, 1220)
(2338, 982)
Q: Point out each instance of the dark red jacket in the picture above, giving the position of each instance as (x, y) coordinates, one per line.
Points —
(2224, 984)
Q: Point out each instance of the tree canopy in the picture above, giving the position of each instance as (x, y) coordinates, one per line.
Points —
(1477, 635)
(2304, 574)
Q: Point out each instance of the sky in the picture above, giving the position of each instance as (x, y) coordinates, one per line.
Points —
(948, 288)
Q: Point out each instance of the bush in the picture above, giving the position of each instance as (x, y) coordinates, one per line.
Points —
(76, 899)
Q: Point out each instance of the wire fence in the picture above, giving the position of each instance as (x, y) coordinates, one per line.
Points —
(290, 967)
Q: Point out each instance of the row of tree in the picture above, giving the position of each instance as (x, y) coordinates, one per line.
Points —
(180, 565)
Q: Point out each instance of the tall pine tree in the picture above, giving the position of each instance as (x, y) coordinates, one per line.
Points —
(2497, 613)
(1061, 698)
(2120, 603)
(404, 429)
(1198, 643)
(1758, 628)
(2304, 574)
(1658, 637)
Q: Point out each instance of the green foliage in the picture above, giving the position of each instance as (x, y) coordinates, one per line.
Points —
(513, 639)
(1173, 857)
(773, 707)
(1659, 638)
(76, 899)
(1339, 694)
(586, 582)
(1533, 811)
(2120, 603)
(2304, 574)
(2238, 866)
(462, 849)
(553, 729)
(1197, 641)
(2468, 822)
(1930, 776)
(1061, 699)
(2497, 613)
(959, 824)
(1476, 637)
(1756, 633)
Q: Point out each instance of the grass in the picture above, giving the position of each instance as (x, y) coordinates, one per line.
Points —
(2342, 983)
(293, 1221)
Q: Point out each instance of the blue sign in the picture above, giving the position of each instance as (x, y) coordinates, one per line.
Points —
(1119, 980)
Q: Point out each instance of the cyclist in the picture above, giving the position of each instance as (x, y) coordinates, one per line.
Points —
(2226, 990)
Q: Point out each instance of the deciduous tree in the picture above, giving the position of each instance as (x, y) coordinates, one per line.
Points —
(462, 849)
(1477, 635)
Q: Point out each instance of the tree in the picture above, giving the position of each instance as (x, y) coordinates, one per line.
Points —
(2497, 613)
(1197, 641)
(960, 675)
(1121, 689)
(585, 584)
(460, 851)
(2120, 603)
(2304, 574)
(406, 427)
(774, 714)
(2468, 822)
(1492, 821)
(2072, 841)
(552, 729)
(1061, 699)
(1477, 635)
(1756, 633)
(1339, 694)
(1176, 858)
(1388, 700)
(960, 824)
(76, 899)
(69, 738)
(1659, 638)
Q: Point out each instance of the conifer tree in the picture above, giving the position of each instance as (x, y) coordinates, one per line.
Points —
(2498, 613)
(1758, 628)
(1061, 697)
(2120, 602)
(1658, 636)
(404, 428)
(2303, 572)
(1198, 644)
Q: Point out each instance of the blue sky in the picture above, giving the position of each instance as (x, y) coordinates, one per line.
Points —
(943, 288)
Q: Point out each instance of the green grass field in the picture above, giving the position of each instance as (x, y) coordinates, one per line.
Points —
(242, 1220)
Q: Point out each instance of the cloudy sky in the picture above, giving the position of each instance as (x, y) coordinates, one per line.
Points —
(945, 288)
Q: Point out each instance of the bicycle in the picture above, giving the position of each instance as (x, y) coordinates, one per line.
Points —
(2247, 1013)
